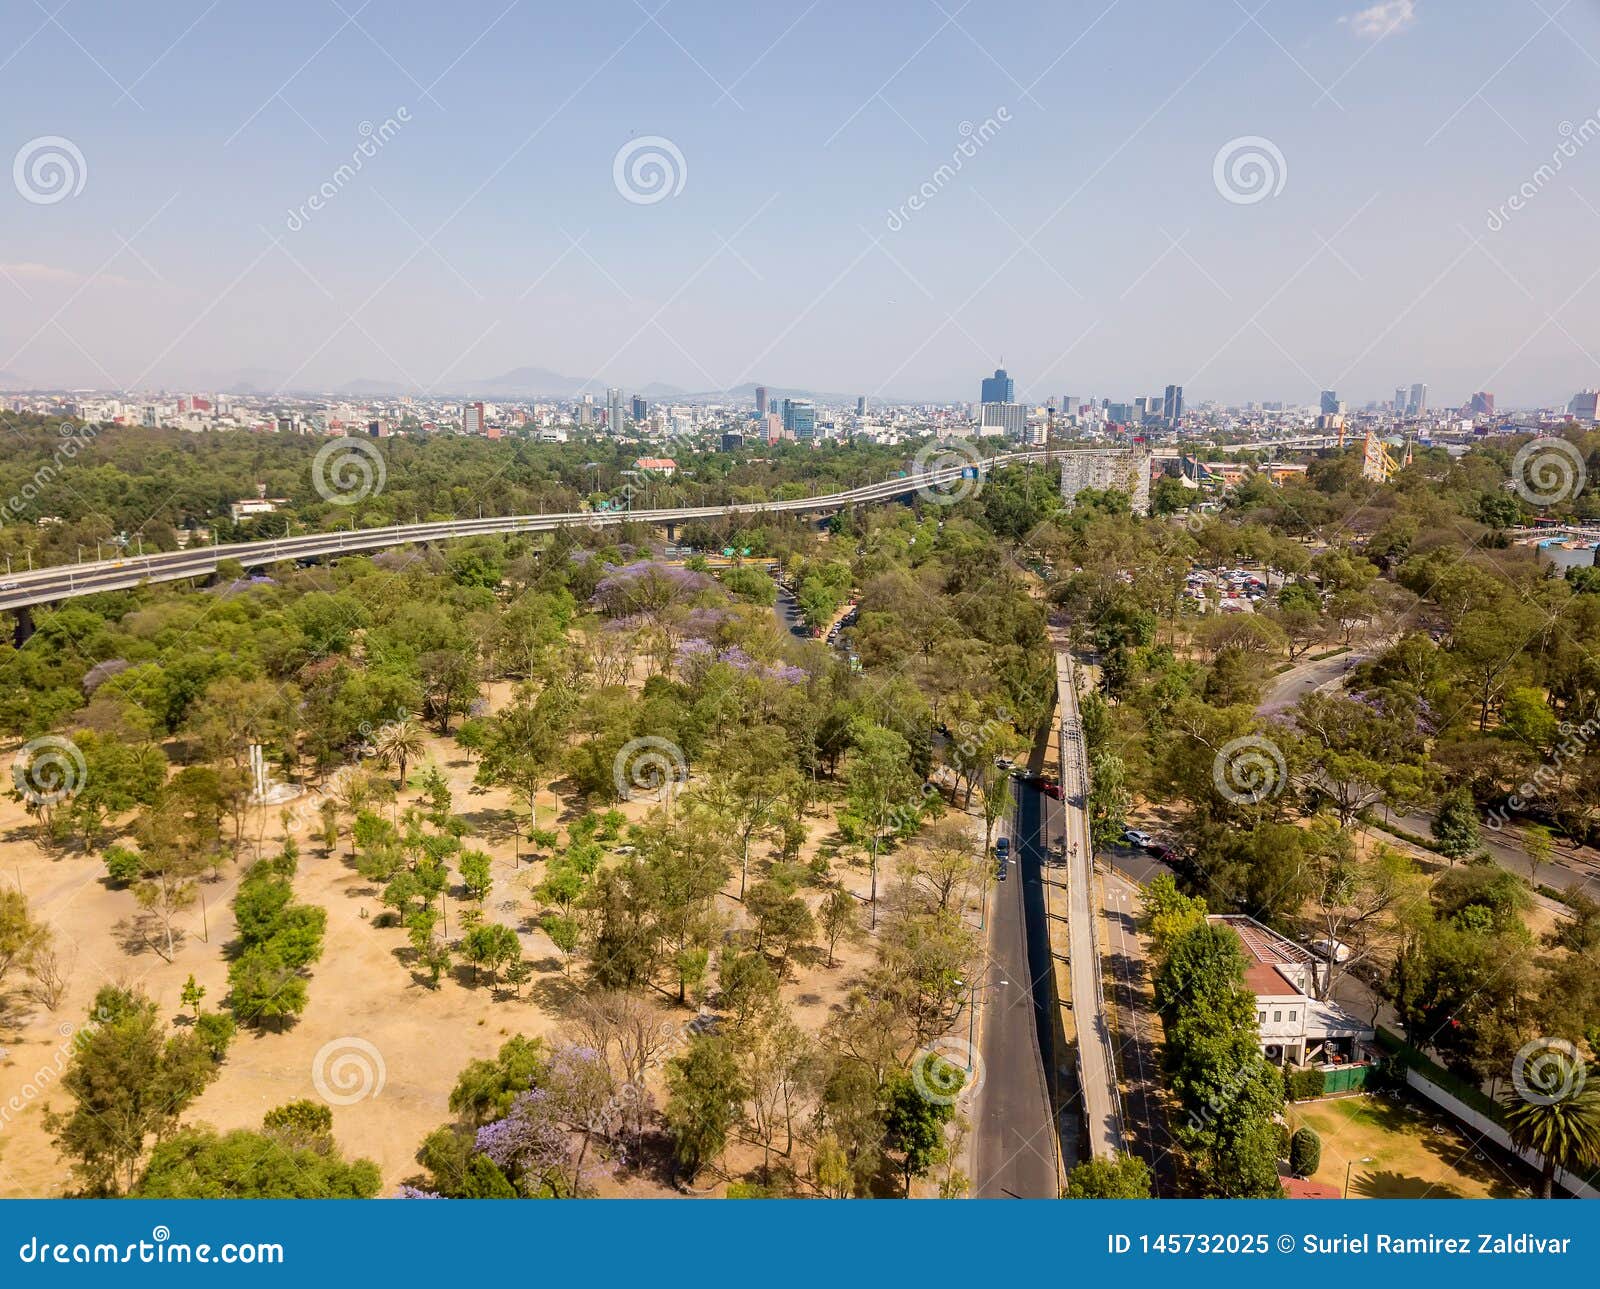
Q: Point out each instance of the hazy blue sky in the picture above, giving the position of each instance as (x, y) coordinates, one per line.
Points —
(1087, 241)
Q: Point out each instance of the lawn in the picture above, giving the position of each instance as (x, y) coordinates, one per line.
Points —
(1394, 1150)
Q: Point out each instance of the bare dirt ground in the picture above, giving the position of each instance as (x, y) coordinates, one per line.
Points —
(390, 1086)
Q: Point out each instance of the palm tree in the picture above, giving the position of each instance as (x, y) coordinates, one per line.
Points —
(397, 742)
(1559, 1117)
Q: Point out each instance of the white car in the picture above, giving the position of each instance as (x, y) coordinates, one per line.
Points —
(1136, 837)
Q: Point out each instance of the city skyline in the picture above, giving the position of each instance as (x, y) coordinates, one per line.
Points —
(1266, 208)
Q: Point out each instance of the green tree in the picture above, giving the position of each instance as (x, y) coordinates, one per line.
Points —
(1559, 1117)
(491, 945)
(914, 1122)
(128, 1082)
(1455, 824)
(474, 866)
(21, 938)
(1305, 1152)
(879, 784)
(1125, 1177)
(192, 994)
(704, 1094)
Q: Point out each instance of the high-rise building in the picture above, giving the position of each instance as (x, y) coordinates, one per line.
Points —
(861, 404)
(1330, 402)
(1172, 405)
(472, 419)
(800, 418)
(1009, 419)
(761, 400)
(998, 388)
(641, 410)
(1401, 398)
(1585, 406)
(1482, 404)
(1417, 403)
(614, 411)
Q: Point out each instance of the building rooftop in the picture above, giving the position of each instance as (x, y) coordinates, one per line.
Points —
(1262, 943)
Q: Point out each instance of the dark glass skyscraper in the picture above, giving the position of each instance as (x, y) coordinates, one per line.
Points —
(999, 388)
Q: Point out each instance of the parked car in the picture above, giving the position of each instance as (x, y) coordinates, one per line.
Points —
(1138, 837)
(1002, 846)
(1051, 789)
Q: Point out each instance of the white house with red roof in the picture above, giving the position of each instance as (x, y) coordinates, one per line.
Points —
(1297, 1027)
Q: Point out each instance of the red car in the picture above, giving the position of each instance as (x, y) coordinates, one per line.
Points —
(1051, 788)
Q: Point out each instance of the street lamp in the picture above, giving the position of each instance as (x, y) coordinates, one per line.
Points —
(1366, 1159)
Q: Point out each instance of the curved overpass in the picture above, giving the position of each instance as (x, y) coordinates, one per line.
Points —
(20, 591)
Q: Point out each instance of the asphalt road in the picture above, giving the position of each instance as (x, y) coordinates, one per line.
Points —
(1014, 1155)
(1137, 1037)
(1569, 868)
(1289, 687)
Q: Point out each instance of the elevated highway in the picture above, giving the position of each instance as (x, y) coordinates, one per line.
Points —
(22, 590)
